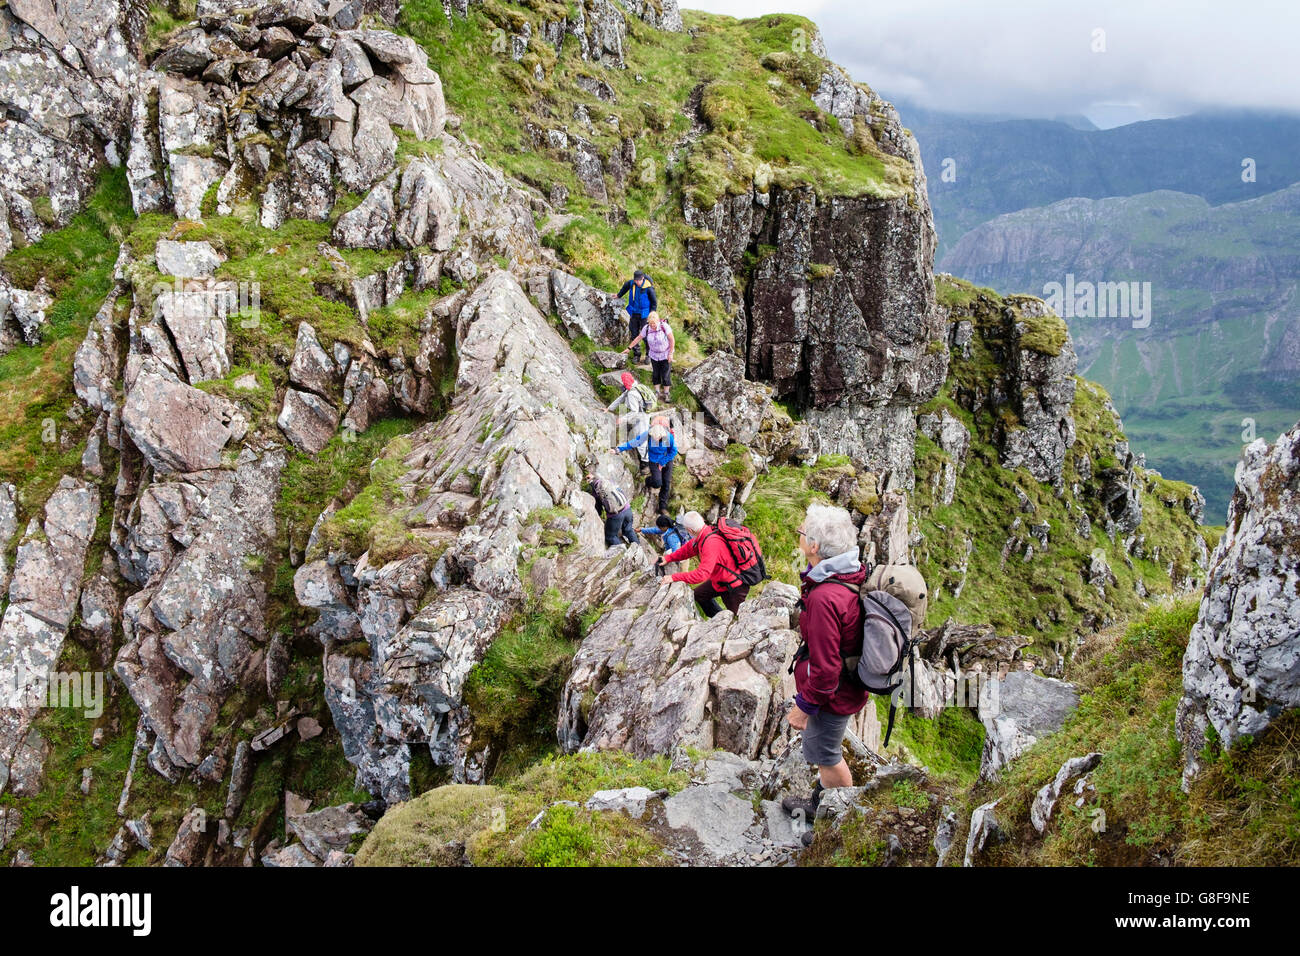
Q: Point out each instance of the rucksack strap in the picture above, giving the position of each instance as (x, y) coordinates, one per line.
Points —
(893, 708)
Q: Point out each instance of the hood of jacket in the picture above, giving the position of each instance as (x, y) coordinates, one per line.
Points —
(839, 565)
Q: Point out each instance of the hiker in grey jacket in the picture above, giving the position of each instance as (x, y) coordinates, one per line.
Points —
(614, 507)
(637, 419)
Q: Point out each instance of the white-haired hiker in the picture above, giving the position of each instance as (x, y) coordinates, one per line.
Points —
(830, 623)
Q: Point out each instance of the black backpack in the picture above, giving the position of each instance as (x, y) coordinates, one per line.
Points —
(745, 553)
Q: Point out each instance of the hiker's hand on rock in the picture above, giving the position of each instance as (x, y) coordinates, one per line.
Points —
(797, 718)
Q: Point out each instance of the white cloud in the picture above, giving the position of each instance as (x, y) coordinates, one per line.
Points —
(1036, 58)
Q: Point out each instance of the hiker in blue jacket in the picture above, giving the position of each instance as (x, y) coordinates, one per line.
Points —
(661, 450)
(641, 301)
(674, 535)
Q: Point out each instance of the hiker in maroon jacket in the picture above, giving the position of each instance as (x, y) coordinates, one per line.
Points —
(830, 624)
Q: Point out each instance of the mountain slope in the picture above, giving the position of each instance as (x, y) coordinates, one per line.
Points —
(320, 509)
(1006, 165)
(1217, 363)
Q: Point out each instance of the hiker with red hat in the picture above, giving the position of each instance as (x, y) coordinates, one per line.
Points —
(639, 402)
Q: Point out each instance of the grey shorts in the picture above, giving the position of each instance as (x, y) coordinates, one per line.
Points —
(822, 738)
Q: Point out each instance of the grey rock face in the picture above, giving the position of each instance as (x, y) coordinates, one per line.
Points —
(66, 77)
(1041, 389)
(1241, 669)
(651, 676)
(42, 600)
(8, 527)
(524, 410)
(195, 631)
(312, 369)
(177, 427)
(370, 225)
(1028, 708)
(865, 262)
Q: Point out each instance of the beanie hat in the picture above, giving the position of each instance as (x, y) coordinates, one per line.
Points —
(627, 380)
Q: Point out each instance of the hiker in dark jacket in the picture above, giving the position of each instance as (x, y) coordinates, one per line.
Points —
(716, 575)
(641, 301)
(830, 624)
(613, 506)
(660, 452)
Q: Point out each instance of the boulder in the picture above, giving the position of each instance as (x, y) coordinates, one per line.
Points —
(587, 311)
(1241, 670)
(177, 427)
(307, 420)
(1026, 708)
(738, 406)
(188, 260)
(312, 368)
(370, 224)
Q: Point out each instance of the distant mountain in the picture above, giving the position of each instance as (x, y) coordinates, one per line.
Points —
(1219, 361)
(1003, 165)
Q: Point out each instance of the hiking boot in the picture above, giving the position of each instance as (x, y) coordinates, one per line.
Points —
(803, 807)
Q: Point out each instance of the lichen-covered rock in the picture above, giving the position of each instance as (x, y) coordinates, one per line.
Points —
(524, 410)
(67, 75)
(369, 225)
(195, 631)
(1241, 669)
(651, 675)
(42, 600)
(189, 260)
(177, 427)
(307, 420)
(312, 368)
(196, 322)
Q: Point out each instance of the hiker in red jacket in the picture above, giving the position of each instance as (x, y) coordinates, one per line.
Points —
(716, 576)
(830, 624)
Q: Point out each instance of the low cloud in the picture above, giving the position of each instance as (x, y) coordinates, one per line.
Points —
(1030, 58)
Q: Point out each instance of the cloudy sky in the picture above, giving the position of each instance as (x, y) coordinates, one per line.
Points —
(1036, 57)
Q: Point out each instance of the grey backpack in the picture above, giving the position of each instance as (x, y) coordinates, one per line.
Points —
(886, 646)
